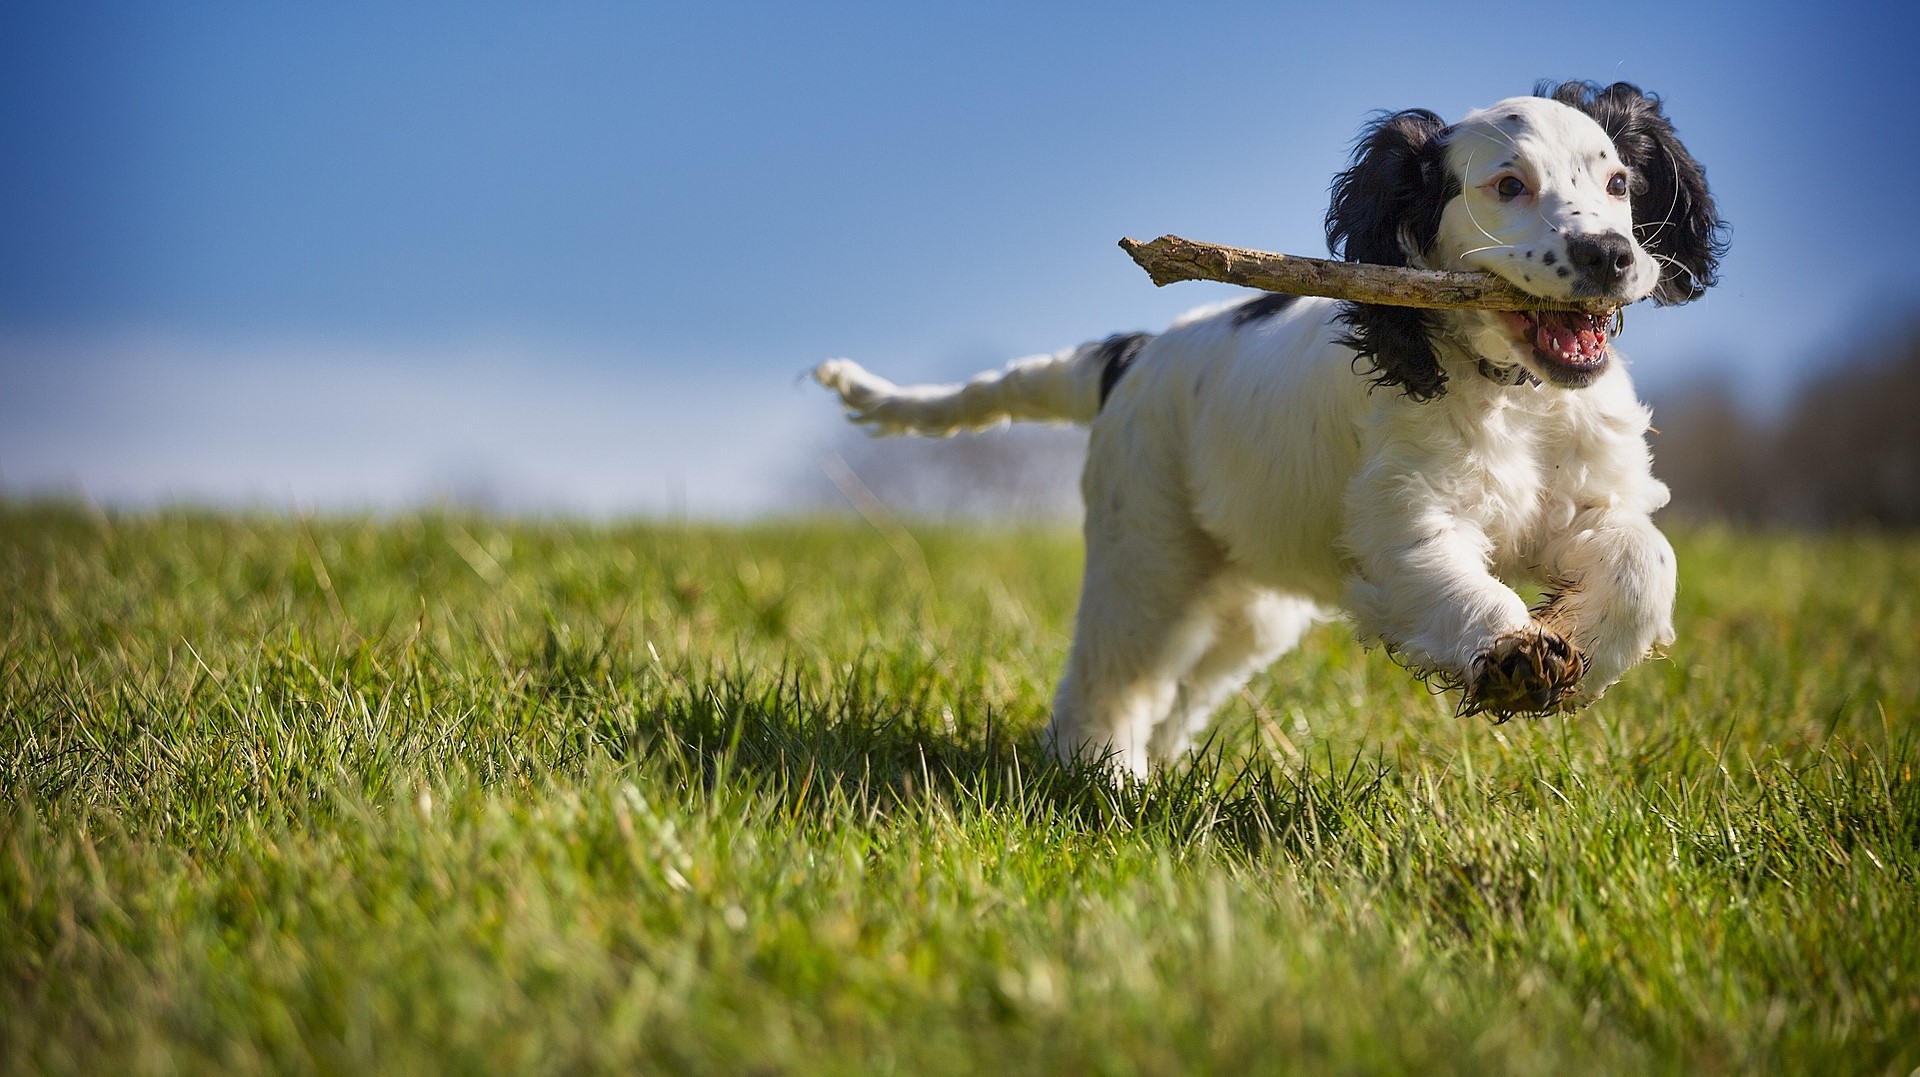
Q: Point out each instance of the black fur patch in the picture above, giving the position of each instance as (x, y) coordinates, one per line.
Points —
(1115, 354)
(1386, 207)
(1266, 306)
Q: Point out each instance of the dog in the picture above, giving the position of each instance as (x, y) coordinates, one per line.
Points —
(1267, 463)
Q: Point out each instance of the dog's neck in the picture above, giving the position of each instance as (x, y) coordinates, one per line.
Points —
(1505, 375)
(1453, 346)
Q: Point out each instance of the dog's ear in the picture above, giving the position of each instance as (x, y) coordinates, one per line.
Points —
(1673, 213)
(1386, 211)
(1386, 206)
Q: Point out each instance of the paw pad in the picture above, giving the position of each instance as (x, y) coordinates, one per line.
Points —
(1532, 671)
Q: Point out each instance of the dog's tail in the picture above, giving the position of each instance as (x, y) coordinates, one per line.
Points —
(1067, 387)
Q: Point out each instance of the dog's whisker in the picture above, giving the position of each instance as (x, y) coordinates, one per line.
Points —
(1475, 221)
(1462, 256)
(1482, 229)
(1673, 203)
(1502, 136)
(1693, 278)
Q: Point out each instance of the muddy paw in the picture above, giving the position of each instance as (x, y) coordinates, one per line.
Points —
(1532, 671)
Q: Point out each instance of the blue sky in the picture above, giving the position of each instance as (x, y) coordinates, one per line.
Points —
(575, 254)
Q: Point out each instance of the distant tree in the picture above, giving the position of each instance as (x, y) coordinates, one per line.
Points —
(1712, 455)
(1845, 453)
(1849, 449)
(1014, 473)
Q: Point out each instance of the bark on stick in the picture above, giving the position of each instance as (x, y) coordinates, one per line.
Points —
(1171, 258)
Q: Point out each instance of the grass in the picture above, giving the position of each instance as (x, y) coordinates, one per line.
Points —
(448, 793)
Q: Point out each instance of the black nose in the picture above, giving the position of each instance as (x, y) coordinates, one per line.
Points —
(1602, 259)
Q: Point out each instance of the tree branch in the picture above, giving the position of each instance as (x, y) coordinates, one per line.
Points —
(1171, 258)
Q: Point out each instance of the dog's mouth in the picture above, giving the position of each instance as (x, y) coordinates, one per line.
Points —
(1570, 348)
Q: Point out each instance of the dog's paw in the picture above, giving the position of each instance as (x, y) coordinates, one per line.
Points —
(868, 398)
(1532, 671)
(857, 386)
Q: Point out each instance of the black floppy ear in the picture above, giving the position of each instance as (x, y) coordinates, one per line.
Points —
(1386, 210)
(1673, 213)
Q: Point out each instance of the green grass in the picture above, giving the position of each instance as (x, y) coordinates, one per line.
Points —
(449, 793)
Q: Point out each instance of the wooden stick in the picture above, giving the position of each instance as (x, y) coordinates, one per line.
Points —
(1171, 258)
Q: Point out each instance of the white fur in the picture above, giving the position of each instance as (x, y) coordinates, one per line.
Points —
(1243, 480)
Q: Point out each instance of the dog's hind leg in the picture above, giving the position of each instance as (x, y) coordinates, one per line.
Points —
(1130, 643)
(1143, 621)
(1251, 628)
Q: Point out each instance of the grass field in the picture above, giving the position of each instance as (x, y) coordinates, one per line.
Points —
(447, 793)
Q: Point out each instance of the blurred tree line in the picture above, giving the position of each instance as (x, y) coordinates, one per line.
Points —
(1019, 473)
(1844, 452)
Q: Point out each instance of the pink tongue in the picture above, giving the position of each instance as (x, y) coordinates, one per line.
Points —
(1557, 337)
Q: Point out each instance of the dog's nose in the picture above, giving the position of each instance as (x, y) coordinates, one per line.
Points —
(1602, 259)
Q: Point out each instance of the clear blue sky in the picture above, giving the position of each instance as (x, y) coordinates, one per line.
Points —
(351, 253)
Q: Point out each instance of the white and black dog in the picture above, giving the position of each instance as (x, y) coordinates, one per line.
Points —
(1247, 475)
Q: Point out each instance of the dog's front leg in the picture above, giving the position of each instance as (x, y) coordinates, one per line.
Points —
(1423, 586)
(1614, 581)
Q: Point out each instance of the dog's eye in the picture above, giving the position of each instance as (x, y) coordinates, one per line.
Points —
(1617, 185)
(1509, 188)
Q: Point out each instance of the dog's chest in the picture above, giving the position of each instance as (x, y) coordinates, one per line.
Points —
(1511, 473)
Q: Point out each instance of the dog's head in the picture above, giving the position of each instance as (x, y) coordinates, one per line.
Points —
(1579, 192)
